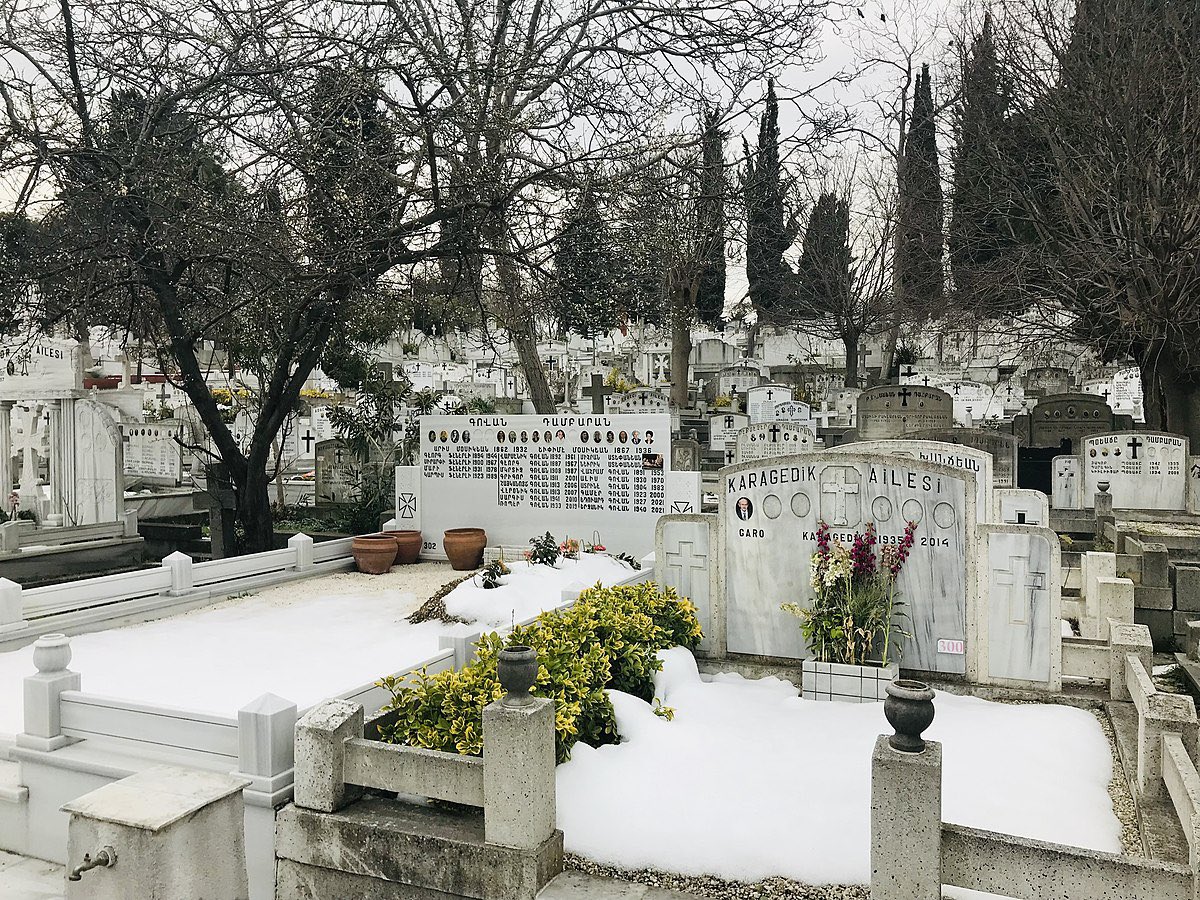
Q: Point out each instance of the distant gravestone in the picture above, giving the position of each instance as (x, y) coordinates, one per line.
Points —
(98, 492)
(845, 404)
(737, 380)
(335, 479)
(1066, 483)
(1144, 470)
(761, 401)
(765, 440)
(469, 391)
(1017, 506)
(152, 451)
(36, 364)
(794, 411)
(889, 411)
(1067, 417)
(685, 455)
(723, 429)
(1049, 380)
(1003, 448)
(977, 463)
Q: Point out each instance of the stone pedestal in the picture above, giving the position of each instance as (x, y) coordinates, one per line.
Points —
(906, 823)
(176, 833)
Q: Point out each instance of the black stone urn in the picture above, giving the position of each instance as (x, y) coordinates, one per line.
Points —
(517, 669)
(909, 710)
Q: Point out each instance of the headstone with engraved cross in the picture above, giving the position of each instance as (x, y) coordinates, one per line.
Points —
(335, 474)
(1144, 469)
(889, 411)
(597, 391)
(770, 439)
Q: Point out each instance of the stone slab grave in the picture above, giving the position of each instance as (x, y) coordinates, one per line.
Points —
(982, 600)
(1002, 447)
(723, 429)
(762, 400)
(1020, 506)
(1067, 484)
(335, 475)
(766, 440)
(735, 380)
(1144, 469)
(973, 401)
(152, 451)
(978, 463)
(521, 476)
(889, 411)
(1066, 417)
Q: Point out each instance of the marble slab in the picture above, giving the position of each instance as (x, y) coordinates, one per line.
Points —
(1144, 469)
(762, 400)
(735, 380)
(769, 513)
(684, 559)
(769, 439)
(723, 429)
(1066, 486)
(1021, 506)
(889, 411)
(1023, 637)
(977, 463)
(1002, 447)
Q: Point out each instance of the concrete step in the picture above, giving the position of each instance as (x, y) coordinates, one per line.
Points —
(573, 885)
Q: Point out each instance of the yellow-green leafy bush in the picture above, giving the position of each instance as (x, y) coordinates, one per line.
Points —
(609, 639)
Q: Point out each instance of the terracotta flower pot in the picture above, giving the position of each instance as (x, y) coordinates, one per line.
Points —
(373, 553)
(408, 546)
(464, 547)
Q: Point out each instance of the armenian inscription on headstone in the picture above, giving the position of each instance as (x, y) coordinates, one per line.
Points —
(889, 411)
(1144, 470)
(767, 440)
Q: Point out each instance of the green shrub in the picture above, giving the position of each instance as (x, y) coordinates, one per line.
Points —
(608, 639)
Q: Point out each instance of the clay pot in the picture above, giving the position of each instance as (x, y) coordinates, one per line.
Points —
(408, 546)
(373, 553)
(464, 547)
(909, 709)
(516, 669)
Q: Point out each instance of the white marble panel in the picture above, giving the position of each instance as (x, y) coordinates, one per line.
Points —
(1023, 605)
(723, 429)
(1066, 487)
(684, 560)
(769, 439)
(762, 400)
(1020, 506)
(1144, 470)
(976, 462)
(770, 511)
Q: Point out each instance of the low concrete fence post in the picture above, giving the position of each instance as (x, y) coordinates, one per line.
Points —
(1125, 639)
(321, 736)
(906, 822)
(43, 715)
(518, 774)
(180, 567)
(266, 759)
(11, 613)
(303, 545)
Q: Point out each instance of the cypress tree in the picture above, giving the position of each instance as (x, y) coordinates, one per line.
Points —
(710, 293)
(767, 234)
(918, 277)
(584, 293)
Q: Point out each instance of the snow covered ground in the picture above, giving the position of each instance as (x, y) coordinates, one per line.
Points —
(750, 781)
(304, 641)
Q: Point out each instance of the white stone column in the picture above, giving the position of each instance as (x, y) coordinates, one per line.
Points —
(56, 463)
(6, 469)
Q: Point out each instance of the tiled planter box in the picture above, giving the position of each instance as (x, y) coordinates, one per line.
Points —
(845, 683)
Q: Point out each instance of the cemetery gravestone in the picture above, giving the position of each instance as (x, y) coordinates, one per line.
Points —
(770, 512)
(737, 380)
(335, 475)
(1049, 380)
(1023, 571)
(1144, 470)
(889, 411)
(1127, 396)
(152, 451)
(98, 492)
(977, 463)
(685, 455)
(761, 401)
(1067, 484)
(36, 364)
(766, 440)
(723, 429)
(1194, 485)
(1018, 506)
(1002, 447)
(520, 476)
(845, 402)
(1069, 417)
(794, 411)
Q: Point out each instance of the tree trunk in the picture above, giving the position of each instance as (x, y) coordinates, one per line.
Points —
(1171, 400)
(681, 353)
(254, 513)
(851, 343)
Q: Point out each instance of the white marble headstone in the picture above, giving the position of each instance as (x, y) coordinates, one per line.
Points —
(1066, 482)
(761, 401)
(1145, 470)
(770, 439)
(977, 463)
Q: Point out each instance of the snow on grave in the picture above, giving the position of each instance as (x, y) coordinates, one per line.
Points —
(762, 400)
(1000, 628)
(770, 439)
(1144, 469)
(810, 820)
(519, 476)
(889, 411)
(152, 451)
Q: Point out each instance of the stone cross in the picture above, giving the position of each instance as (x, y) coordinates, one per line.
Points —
(904, 395)
(598, 391)
(839, 489)
(1134, 445)
(686, 562)
(1024, 586)
(824, 414)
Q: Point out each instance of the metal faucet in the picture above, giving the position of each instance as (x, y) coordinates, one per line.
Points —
(106, 858)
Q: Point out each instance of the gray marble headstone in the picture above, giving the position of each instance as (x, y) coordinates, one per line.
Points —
(889, 411)
(1144, 469)
(1002, 447)
(794, 411)
(770, 511)
(334, 477)
(766, 440)
(1023, 631)
(1066, 484)
(685, 455)
(1067, 417)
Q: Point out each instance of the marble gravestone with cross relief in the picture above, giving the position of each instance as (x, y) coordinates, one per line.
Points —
(644, 401)
(794, 411)
(737, 380)
(762, 400)
(1144, 469)
(685, 455)
(982, 599)
(335, 482)
(723, 429)
(1066, 485)
(770, 439)
(889, 411)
